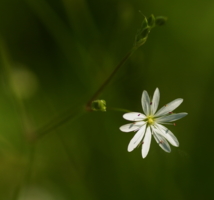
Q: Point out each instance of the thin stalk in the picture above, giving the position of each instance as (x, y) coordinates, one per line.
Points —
(119, 109)
(107, 81)
(58, 121)
(68, 115)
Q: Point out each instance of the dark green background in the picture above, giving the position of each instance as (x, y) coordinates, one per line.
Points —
(56, 53)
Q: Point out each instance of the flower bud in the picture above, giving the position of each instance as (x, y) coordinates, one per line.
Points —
(160, 20)
(98, 105)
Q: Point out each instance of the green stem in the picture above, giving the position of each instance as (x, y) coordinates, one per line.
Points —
(119, 109)
(107, 81)
(58, 121)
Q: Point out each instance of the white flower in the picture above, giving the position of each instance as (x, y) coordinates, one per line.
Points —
(149, 124)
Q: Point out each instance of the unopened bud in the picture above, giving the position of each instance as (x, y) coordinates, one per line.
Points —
(98, 105)
(160, 20)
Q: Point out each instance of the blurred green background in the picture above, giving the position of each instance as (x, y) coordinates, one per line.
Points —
(56, 53)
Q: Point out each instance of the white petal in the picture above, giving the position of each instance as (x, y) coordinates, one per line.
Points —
(162, 142)
(132, 126)
(136, 139)
(155, 101)
(169, 107)
(134, 116)
(165, 132)
(146, 142)
(145, 100)
(171, 118)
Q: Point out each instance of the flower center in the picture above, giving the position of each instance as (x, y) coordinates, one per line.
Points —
(150, 120)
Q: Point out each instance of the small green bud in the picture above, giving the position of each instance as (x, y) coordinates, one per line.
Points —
(160, 20)
(147, 24)
(151, 21)
(98, 105)
(145, 32)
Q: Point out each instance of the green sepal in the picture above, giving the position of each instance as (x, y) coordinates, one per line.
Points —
(144, 23)
(151, 21)
(145, 32)
(140, 42)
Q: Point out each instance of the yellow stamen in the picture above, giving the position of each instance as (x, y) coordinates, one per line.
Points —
(150, 120)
